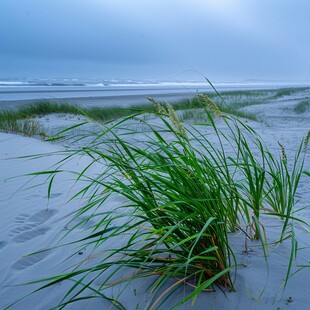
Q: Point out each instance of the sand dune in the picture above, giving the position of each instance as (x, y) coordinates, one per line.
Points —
(31, 222)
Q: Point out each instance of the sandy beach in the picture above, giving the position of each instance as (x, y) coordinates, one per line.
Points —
(30, 222)
(154, 155)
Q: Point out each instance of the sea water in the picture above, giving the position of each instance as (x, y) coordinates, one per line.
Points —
(49, 89)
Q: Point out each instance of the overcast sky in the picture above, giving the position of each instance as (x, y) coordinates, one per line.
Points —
(227, 40)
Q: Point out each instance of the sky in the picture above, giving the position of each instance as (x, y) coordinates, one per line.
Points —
(225, 40)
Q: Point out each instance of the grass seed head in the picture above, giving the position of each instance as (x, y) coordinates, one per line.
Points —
(159, 108)
(211, 105)
(176, 121)
(306, 142)
(284, 158)
(169, 111)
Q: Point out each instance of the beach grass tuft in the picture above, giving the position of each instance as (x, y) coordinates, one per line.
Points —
(288, 91)
(302, 106)
(11, 122)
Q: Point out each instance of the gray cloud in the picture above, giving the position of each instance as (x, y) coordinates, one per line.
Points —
(223, 39)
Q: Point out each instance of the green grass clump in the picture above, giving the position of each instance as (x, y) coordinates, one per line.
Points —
(184, 190)
(21, 120)
(288, 91)
(44, 108)
(302, 106)
(11, 122)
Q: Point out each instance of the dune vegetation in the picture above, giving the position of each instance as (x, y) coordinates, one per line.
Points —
(184, 193)
(302, 106)
(22, 120)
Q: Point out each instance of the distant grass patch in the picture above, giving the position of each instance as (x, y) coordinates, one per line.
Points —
(302, 106)
(288, 91)
(21, 120)
(231, 102)
(44, 108)
(11, 122)
(235, 111)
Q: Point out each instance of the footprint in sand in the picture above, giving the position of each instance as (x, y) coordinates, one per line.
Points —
(21, 218)
(30, 234)
(20, 229)
(29, 260)
(28, 225)
(42, 216)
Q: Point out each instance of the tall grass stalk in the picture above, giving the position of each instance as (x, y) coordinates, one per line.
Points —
(282, 183)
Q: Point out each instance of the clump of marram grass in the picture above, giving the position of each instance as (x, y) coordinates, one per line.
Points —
(302, 106)
(184, 190)
(289, 91)
(9, 122)
(22, 120)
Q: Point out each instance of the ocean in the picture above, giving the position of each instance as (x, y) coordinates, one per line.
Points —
(112, 92)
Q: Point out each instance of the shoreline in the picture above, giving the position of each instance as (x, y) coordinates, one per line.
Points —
(120, 96)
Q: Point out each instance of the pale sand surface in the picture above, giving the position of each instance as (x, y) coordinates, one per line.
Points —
(29, 222)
